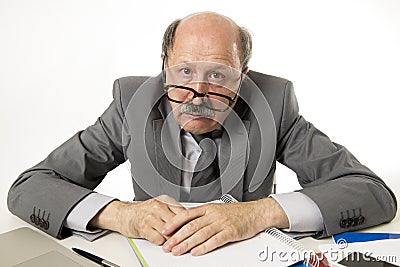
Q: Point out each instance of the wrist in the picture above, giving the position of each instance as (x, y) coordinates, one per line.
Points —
(109, 217)
(272, 214)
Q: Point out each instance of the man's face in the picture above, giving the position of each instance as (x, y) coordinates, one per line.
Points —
(205, 62)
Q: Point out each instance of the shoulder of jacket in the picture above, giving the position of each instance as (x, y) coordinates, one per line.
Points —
(264, 80)
(129, 84)
(125, 88)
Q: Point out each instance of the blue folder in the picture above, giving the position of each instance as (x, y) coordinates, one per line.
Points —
(352, 237)
(300, 264)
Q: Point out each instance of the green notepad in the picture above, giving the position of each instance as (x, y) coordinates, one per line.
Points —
(137, 253)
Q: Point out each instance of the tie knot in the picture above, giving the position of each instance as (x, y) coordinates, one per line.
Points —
(212, 135)
(216, 134)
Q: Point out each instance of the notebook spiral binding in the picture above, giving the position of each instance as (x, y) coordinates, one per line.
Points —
(227, 198)
(312, 258)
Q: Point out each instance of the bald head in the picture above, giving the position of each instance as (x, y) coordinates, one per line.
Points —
(205, 35)
(209, 24)
(209, 17)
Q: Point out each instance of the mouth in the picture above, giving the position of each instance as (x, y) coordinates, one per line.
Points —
(196, 115)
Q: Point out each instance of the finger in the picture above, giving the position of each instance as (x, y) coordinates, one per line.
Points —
(154, 236)
(168, 200)
(162, 211)
(194, 240)
(176, 209)
(157, 224)
(214, 242)
(172, 207)
(185, 232)
(180, 219)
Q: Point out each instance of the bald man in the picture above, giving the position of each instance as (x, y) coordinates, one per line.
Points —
(159, 124)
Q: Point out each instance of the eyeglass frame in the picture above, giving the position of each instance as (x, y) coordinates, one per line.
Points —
(197, 94)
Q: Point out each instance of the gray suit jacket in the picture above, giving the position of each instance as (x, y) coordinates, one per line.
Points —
(348, 194)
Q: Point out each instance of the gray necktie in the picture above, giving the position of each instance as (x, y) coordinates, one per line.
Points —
(206, 170)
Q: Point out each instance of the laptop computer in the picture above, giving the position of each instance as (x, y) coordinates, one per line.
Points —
(25, 247)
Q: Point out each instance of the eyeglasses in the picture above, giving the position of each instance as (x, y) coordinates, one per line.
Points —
(217, 84)
(183, 94)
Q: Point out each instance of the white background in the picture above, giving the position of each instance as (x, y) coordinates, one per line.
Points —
(58, 60)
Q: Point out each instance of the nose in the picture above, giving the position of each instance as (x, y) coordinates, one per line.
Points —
(200, 87)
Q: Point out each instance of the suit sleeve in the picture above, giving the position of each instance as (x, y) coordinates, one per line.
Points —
(348, 194)
(45, 194)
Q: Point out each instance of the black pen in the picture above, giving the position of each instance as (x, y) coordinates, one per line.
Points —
(95, 258)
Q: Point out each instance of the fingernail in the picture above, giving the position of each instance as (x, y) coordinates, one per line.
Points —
(166, 247)
(175, 250)
(194, 252)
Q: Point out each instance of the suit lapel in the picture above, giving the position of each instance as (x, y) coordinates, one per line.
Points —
(234, 151)
(233, 160)
(168, 153)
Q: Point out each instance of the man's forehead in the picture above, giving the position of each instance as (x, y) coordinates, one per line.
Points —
(221, 56)
(208, 28)
(205, 48)
(207, 34)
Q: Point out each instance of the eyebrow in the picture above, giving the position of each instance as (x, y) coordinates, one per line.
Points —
(215, 65)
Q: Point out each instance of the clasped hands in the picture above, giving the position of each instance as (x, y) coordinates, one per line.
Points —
(198, 230)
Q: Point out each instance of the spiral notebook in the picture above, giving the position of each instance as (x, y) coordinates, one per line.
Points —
(269, 248)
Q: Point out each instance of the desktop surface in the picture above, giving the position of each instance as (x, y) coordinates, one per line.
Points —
(116, 248)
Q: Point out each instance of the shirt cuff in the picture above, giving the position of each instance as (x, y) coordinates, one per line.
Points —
(80, 216)
(302, 212)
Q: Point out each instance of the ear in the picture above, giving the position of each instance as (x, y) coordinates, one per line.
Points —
(162, 57)
(245, 70)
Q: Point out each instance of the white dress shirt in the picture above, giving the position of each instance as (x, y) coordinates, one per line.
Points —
(306, 219)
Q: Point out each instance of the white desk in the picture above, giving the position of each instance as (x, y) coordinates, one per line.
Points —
(116, 248)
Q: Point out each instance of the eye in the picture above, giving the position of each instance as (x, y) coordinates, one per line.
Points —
(186, 71)
(216, 76)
